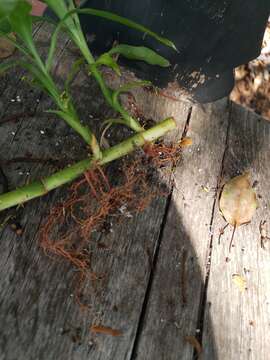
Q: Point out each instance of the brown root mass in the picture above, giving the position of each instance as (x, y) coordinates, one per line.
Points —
(92, 202)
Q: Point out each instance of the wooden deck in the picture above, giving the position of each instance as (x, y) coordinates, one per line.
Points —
(167, 276)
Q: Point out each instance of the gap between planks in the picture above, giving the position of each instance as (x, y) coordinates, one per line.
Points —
(241, 320)
(37, 271)
(201, 313)
(155, 255)
(170, 316)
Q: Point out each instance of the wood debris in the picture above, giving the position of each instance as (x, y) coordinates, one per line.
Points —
(195, 343)
(263, 233)
(186, 142)
(240, 282)
(99, 329)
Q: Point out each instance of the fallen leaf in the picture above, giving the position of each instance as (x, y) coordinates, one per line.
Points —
(195, 343)
(240, 282)
(185, 142)
(6, 48)
(238, 201)
(99, 329)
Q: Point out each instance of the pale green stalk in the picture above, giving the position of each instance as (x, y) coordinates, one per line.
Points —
(62, 177)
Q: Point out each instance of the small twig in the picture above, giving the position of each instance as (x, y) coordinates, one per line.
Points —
(221, 232)
(231, 242)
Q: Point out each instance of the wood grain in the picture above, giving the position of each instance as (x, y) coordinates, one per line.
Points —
(165, 278)
(39, 317)
(173, 306)
(239, 321)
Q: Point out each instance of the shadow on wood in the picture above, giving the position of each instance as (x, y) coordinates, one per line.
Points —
(154, 279)
(166, 276)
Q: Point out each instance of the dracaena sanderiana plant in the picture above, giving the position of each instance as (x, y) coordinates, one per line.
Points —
(15, 17)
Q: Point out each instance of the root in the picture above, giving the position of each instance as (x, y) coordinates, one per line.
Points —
(163, 155)
(67, 230)
(93, 202)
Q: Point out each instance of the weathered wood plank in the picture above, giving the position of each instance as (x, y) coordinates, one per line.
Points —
(20, 102)
(173, 306)
(39, 317)
(239, 322)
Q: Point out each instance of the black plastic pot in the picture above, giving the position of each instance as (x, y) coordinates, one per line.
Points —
(212, 36)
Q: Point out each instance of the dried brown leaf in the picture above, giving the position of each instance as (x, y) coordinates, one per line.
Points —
(238, 200)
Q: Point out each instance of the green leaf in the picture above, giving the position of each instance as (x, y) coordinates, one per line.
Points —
(114, 121)
(109, 16)
(107, 60)
(122, 20)
(52, 48)
(72, 73)
(16, 18)
(7, 7)
(21, 20)
(140, 53)
(132, 85)
(58, 6)
(5, 27)
(126, 88)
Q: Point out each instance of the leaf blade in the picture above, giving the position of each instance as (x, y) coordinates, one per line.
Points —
(121, 20)
(141, 53)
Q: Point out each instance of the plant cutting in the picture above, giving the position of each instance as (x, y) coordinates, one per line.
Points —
(15, 17)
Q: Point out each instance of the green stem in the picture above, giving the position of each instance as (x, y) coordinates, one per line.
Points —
(107, 93)
(105, 90)
(129, 120)
(72, 25)
(71, 118)
(68, 174)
